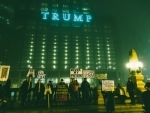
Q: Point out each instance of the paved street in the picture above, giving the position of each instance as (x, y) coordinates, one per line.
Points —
(81, 109)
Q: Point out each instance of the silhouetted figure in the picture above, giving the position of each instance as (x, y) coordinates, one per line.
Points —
(146, 98)
(25, 90)
(2, 99)
(109, 101)
(50, 84)
(121, 93)
(7, 89)
(130, 90)
(85, 88)
(39, 92)
(61, 93)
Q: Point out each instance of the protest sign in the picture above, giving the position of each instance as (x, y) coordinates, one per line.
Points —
(107, 85)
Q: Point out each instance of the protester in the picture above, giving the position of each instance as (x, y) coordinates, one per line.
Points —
(50, 84)
(25, 90)
(85, 88)
(39, 92)
(71, 89)
(7, 89)
(120, 92)
(48, 92)
(109, 101)
(2, 99)
(131, 89)
(61, 93)
(146, 98)
(146, 84)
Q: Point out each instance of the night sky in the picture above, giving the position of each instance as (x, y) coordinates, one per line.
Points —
(133, 21)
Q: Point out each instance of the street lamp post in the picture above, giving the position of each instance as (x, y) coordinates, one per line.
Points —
(135, 70)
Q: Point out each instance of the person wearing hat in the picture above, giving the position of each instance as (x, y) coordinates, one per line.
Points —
(39, 92)
(130, 89)
(146, 98)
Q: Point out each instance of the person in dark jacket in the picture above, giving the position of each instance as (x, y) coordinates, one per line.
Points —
(2, 99)
(50, 84)
(25, 90)
(85, 88)
(109, 101)
(7, 89)
(39, 92)
(146, 98)
(120, 92)
(130, 89)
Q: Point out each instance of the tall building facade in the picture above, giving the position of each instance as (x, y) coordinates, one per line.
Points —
(56, 35)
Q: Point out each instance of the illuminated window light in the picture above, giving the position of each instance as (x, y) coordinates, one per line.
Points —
(77, 54)
(55, 50)
(77, 58)
(55, 47)
(66, 54)
(31, 46)
(43, 46)
(28, 66)
(66, 62)
(43, 53)
(31, 42)
(54, 57)
(77, 47)
(54, 66)
(42, 66)
(66, 47)
(77, 66)
(65, 67)
(30, 57)
(42, 61)
(66, 58)
(43, 49)
(42, 57)
(66, 50)
(31, 49)
(54, 62)
(31, 53)
(76, 62)
(43, 42)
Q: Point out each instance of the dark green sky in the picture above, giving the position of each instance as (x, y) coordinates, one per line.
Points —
(133, 21)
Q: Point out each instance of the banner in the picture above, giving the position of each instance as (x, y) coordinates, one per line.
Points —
(75, 73)
(4, 73)
(31, 73)
(101, 76)
(107, 85)
(88, 73)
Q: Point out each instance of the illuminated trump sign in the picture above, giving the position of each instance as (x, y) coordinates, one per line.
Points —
(67, 17)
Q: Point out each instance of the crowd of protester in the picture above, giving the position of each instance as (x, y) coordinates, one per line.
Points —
(64, 92)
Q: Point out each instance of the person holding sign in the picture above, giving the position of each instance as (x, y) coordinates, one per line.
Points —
(25, 90)
(48, 92)
(39, 92)
(61, 92)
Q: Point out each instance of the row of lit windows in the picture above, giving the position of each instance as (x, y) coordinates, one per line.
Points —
(68, 67)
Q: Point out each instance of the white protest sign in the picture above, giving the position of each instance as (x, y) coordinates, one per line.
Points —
(107, 85)
(75, 73)
(101, 76)
(88, 73)
(41, 74)
(4, 73)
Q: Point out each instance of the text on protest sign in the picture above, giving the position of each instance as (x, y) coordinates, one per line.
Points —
(88, 73)
(74, 73)
(107, 85)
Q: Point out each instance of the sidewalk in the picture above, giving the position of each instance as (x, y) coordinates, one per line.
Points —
(128, 108)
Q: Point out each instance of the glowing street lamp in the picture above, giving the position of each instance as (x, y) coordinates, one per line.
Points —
(135, 70)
